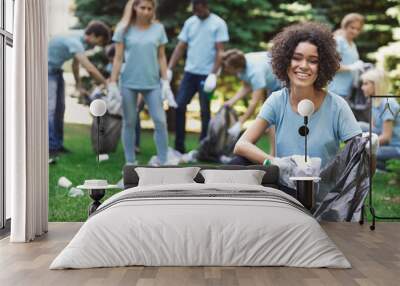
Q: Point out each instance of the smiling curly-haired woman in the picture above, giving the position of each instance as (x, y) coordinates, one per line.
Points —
(304, 57)
(285, 43)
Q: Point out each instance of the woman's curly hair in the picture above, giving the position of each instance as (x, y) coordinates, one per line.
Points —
(317, 34)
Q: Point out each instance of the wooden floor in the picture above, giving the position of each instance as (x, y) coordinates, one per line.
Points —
(375, 257)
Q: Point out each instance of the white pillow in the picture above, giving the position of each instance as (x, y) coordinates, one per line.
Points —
(166, 176)
(248, 177)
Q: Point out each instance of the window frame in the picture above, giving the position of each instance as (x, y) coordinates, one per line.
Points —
(6, 39)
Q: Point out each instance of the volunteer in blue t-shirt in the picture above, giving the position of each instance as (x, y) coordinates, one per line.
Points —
(350, 64)
(255, 70)
(140, 40)
(61, 49)
(385, 116)
(305, 59)
(203, 35)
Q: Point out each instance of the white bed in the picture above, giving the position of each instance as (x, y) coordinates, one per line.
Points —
(258, 227)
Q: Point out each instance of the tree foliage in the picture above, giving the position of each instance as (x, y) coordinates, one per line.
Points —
(253, 23)
(378, 25)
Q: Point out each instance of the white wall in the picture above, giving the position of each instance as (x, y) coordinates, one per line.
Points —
(60, 16)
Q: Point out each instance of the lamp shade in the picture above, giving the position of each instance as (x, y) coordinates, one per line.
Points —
(305, 107)
(98, 107)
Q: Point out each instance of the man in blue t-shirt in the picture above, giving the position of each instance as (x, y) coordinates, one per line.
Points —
(60, 50)
(203, 35)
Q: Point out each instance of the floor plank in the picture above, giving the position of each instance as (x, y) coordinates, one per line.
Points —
(374, 255)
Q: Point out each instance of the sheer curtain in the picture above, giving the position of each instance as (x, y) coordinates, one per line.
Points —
(26, 123)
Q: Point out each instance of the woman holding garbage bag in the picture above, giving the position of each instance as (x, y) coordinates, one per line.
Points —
(304, 57)
(385, 116)
(141, 40)
(350, 27)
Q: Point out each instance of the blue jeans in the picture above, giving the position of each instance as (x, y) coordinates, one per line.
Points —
(56, 108)
(155, 105)
(138, 126)
(191, 83)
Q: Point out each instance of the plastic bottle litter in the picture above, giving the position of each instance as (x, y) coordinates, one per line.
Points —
(74, 192)
(103, 157)
(64, 182)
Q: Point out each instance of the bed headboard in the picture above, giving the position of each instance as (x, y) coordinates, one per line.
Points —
(270, 179)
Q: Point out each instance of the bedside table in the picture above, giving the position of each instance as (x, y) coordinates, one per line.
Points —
(305, 192)
(97, 190)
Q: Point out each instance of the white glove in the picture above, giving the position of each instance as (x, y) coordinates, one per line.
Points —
(277, 162)
(235, 129)
(300, 160)
(113, 90)
(211, 83)
(374, 142)
(357, 66)
(167, 94)
(170, 75)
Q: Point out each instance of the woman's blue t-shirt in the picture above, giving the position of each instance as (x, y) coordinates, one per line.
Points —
(141, 69)
(342, 82)
(332, 123)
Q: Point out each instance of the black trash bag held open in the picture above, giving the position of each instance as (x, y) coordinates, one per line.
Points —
(110, 133)
(218, 141)
(344, 184)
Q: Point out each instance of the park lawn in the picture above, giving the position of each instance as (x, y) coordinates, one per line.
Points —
(81, 164)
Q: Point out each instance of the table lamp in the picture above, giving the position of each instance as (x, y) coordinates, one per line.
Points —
(98, 108)
(305, 185)
(305, 109)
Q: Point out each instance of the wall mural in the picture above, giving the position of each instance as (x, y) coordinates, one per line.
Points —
(209, 82)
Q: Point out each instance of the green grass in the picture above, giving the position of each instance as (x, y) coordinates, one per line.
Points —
(81, 164)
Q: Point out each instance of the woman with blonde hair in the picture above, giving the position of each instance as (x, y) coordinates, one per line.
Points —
(140, 40)
(385, 116)
(350, 28)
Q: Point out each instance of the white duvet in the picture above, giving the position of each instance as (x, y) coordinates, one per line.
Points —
(201, 231)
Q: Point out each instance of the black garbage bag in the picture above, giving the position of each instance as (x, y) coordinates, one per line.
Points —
(344, 184)
(110, 133)
(357, 101)
(218, 141)
(359, 104)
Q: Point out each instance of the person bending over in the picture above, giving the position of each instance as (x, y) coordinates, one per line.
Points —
(255, 71)
(62, 48)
